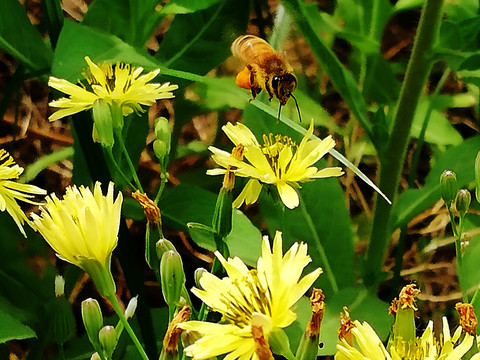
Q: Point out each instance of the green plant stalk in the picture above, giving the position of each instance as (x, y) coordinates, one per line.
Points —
(118, 132)
(123, 319)
(458, 250)
(391, 160)
(110, 156)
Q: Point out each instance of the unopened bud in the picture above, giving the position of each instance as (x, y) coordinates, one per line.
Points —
(163, 134)
(59, 311)
(448, 186)
(462, 203)
(108, 339)
(95, 356)
(198, 275)
(163, 245)
(92, 319)
(102, 123)
(59, 286)
(131, 307)
(172, 277)
(160, 149)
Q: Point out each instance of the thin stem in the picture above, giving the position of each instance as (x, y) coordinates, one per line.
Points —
(123, 319)
(458, 250)
(118, 132)
(391, 160)
(109, 153)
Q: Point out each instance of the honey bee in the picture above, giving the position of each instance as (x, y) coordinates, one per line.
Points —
(265, 69)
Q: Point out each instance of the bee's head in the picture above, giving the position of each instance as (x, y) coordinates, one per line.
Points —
(283, 86)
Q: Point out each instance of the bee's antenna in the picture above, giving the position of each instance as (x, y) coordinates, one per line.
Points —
(298, 109)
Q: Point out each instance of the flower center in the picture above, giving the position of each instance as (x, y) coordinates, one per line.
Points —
(109, 71)
(273, 146)
(247, 296)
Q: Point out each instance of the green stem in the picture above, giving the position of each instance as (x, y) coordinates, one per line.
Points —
(458, 250)
(123, 319)
(391, 160)
(163, 181)
(119, 135)
(109, 153)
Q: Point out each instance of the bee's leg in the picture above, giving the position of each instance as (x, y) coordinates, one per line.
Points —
(253, 83)
(268, 88)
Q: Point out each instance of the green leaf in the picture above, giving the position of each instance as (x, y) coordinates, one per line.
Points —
(341, 78)
(187, 6)
(199, 41)
(439, 130)
(362, 305)
(19, 38)
(381, 84)
(12, 329)
(330, 242)
(459, 159)
(129, 20)
(184, 204)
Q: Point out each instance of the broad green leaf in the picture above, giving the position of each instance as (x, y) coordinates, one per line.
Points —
(381, 84)
(131, 21)
(184, 203)
(340, 77)
(330, 243)
(199, 41)
(472, 253)
(187, 6)
(439, 130)
(19, 38)
(362, 305)
(460, 159)
(12, 329)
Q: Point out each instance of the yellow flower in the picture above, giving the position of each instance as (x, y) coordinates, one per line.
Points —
(279, 161)
(82, 229)
(369, 346)
(263, 296)
(11, 190)
(118, 84)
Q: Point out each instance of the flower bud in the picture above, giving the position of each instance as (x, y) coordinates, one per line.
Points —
(107, 337)
(463, 201)
(162, 144)
(131, 307)
(59, 286)
(61, 319)
(448, 186)
(160, 149)
(103, 124)
(95, 356)
(92, 319)
(162, 131)
(162, 246)
(172, 277)
(198, 275)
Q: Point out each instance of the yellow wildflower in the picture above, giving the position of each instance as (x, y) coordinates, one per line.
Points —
(367, 345)
(82, 229)
(11, 190)
(260, 297)
(119, 84)
(279, 161)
